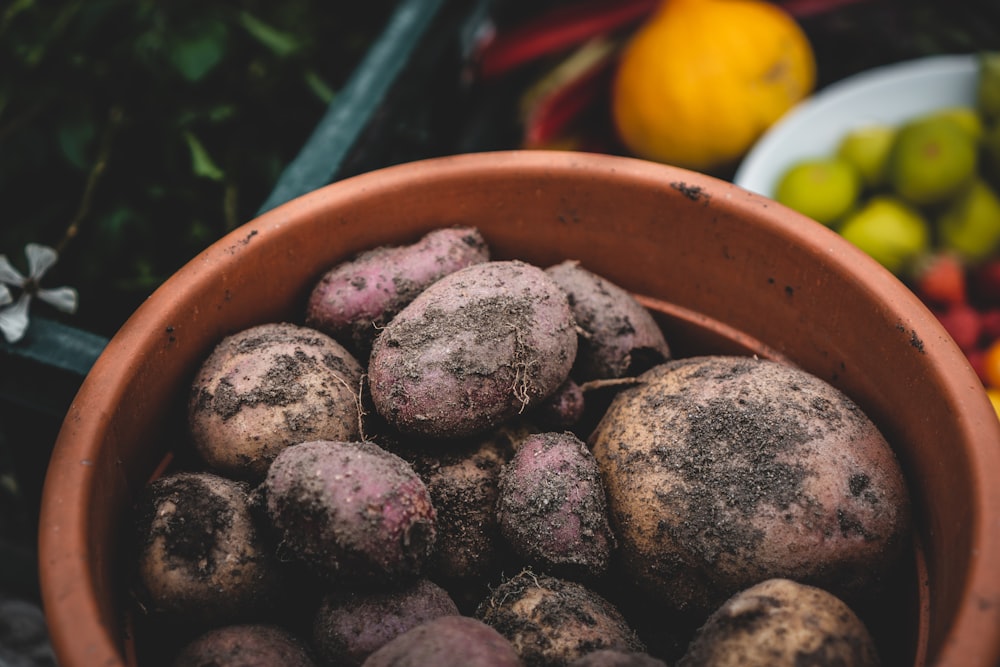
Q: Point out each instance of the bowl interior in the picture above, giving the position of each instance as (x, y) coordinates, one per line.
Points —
(725, 270)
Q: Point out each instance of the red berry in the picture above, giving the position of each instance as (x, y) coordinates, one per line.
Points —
(964, 324)
(990, 319)
(942, 281)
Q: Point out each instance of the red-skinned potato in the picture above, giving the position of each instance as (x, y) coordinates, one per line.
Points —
(619, 337)
(245, 646)
(351, 625)
(475, 349)
(351, 511)
(725, 471)
(268, 387)
(356, 298)
(447, 641)
(551, 507)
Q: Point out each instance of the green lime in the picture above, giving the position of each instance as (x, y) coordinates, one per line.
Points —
(970, 225)
(931, 159)
(824, 189)
(889, 230)
(867, 148)
(964, 117)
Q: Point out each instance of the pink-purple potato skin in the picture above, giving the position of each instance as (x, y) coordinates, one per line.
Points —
(551, 507)
(614, 658)
(350, 626)
(564, 408)
(201, 556)
(476, 348)
(268, 387)
(620, 337)
(552, 622)
(356, 298)
(722, 471)
(350, 511)
(250, 645)
(447, 641)
(782, 623)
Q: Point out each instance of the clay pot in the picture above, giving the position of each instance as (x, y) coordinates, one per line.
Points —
(726, 271)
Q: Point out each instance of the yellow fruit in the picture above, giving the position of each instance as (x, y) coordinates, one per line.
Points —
(824, 189)
(994, 396)
(931, 160)
(867, 148)
(701, 80)
(890, 231)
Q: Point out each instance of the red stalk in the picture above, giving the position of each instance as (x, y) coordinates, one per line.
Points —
(558, 30)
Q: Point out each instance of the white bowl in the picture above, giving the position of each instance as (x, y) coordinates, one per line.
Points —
(889, 94)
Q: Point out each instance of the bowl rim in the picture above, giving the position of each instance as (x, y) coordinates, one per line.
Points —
(66, 563)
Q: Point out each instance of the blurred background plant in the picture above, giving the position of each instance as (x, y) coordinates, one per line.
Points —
(133, 133)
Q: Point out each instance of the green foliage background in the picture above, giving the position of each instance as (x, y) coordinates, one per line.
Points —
(133, 133)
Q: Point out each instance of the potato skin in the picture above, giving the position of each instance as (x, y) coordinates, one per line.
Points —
(350, 626)
(245, 646)
(781, 623)
(351, 511)
(620, 337)
(201, 556)
(356, 298)
(725, 471)
(551, 507)
(614, 658)
(268, 387)
(447, 641)
(552, 621)
(475, 349)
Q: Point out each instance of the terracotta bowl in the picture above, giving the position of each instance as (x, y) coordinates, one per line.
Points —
(724, 269)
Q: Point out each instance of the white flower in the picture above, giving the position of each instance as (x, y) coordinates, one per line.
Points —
(14, 314)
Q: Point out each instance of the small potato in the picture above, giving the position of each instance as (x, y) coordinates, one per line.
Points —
(781, 623)
(614, 658)
(725, 471)
(551, 508)
(475, 349)
(268, 387)
(358, 297)
(351, 511)
(564, 408)
(620, 337)
(552, 621)
(447, 641)
(463, 480)
(245, 646)
(350, 626)
(200, 554)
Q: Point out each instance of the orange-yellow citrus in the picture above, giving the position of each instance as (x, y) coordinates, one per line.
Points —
(701, 80)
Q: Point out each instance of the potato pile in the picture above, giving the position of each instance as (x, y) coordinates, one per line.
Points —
(460, 460)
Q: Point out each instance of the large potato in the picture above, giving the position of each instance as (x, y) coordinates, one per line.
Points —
(725, 471)
(268, 387)
(476, 348)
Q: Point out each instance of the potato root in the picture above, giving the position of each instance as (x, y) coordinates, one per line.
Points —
(725, 471)
(552, 621)
(474, 349)
(350, 626)
(619, 337)
(268, 387)
(447, 641)
(551, 507)
(351, 511)
(358, 297)
(781, 623)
